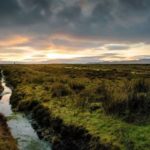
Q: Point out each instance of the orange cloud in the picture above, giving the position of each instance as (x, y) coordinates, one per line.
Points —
(61, 49)
(13, 41)
(70, 37)
(87, 38)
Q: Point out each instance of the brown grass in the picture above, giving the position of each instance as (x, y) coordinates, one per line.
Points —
(6, 140)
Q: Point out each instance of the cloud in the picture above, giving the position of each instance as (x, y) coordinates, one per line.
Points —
(117, 47)
(8, 8)
(76, 26)
(13, 41)
(106, 19)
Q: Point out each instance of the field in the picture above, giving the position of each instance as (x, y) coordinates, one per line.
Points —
(87, 107)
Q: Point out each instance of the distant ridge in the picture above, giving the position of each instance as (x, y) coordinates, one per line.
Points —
(140, 61)
(84, 60)
(90, 60)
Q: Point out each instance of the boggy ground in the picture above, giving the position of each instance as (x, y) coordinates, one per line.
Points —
(6, 140)
(62, 136)
(86, 107)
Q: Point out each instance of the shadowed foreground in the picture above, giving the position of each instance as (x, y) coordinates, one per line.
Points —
(6, 140)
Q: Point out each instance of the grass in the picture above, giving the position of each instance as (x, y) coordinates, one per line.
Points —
(109, 128)
(6, 140)
(110, 101)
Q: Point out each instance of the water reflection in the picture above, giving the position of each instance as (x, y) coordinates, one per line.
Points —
(20, 126)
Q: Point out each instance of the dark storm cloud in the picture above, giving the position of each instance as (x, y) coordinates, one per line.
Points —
(8, 12)
(8, 8)
(126, 20)
(69, 13)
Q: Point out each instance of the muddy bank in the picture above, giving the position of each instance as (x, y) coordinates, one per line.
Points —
(1, 90)
(54, 130)
(6, 140)
(66, 137)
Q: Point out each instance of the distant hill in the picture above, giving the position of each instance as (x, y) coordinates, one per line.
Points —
(140, 61)
(82, 60)
(95, 60)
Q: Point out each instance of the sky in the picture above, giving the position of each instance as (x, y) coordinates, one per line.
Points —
(74, 31)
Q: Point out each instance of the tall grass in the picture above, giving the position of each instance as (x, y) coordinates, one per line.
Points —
(131, 101)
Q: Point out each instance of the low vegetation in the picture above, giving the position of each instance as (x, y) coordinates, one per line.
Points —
(6, 140)
(108, 106)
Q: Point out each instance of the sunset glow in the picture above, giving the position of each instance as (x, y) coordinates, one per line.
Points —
(79, 30)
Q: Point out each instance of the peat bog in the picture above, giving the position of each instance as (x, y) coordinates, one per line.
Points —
(85, 107)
